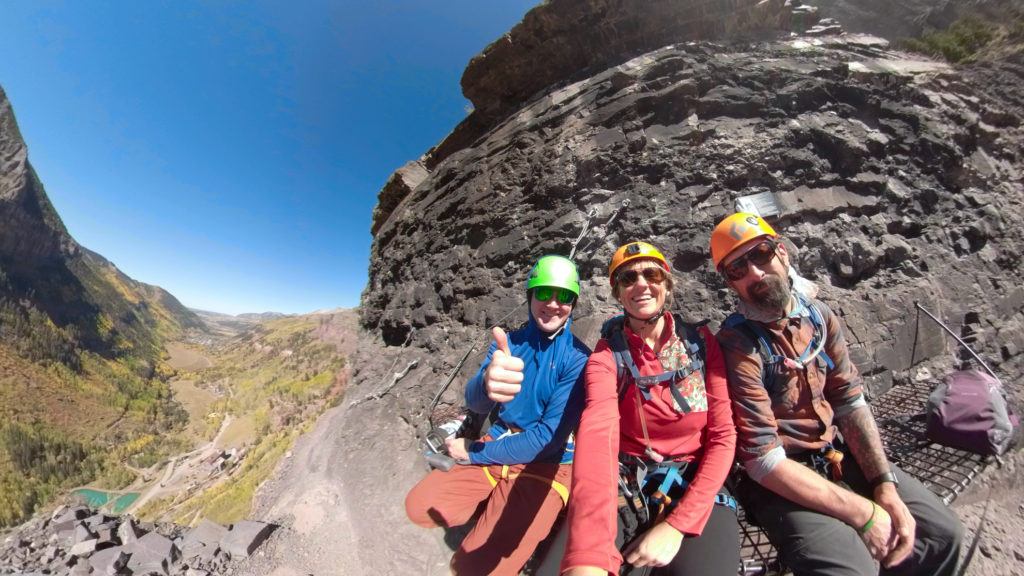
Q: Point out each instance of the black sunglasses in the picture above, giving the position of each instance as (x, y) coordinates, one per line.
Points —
(546, 293)
(760, 255)
(627, 278)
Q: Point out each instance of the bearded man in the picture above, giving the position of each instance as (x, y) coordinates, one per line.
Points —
(816, 476)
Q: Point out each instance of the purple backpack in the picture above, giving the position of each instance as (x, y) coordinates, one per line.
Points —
(968, 411)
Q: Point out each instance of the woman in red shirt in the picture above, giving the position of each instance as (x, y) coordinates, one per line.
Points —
(662, 407)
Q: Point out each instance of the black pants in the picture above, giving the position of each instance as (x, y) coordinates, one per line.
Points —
(716, 552)
(810, 543)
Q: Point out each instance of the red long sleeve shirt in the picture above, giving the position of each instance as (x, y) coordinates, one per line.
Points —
(705, 436)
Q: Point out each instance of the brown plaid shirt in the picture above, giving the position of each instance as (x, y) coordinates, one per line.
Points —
(797, 414)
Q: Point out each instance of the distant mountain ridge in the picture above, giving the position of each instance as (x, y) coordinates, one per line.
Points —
(228, 325)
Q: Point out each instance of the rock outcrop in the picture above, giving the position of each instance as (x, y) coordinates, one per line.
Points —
(32, 231)
(563, 39)
(908, 18)
(43, 267)
(898, 180)
(80, 541)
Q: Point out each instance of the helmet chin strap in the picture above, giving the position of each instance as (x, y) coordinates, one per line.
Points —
(649, 321)
(555, 334)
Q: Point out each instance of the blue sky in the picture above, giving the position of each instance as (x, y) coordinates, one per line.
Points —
(231, 152)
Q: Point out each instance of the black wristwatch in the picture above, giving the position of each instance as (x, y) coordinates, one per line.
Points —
(884, 477)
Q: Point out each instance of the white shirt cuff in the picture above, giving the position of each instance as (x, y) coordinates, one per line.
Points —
(845, 409)
(760, 467)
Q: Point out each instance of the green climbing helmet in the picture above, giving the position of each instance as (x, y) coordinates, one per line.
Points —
(554, 271)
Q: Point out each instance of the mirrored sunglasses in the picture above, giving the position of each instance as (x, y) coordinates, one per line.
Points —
(627, 278)
(760, 255)
(546, 293)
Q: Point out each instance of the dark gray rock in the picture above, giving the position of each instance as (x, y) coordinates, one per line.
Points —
(83, 533)
(66, 514)
(561, 38)
(108, 562)
(244, 537)
(94, 521)
(897, 20)
(398, 186)
(152, 552)
(128, 532)
(85, 548)
(39, 546)
(203, 540)
(106, 537)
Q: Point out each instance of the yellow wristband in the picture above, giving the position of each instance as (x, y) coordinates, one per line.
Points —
(871, 521)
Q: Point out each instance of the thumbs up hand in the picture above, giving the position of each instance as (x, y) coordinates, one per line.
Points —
(504, 376)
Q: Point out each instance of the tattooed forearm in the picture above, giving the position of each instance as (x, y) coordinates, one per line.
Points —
(861, 435)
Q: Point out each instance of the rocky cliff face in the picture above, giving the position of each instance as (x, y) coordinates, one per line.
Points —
(42, 267)
(909, 18)
(32, 230)
(898, 179)
(561, 41)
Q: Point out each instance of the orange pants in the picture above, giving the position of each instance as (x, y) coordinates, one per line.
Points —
(523, 502)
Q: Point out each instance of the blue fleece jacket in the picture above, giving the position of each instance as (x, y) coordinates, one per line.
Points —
(548, 406)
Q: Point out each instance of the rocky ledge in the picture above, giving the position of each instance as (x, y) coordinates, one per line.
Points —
(79, 541)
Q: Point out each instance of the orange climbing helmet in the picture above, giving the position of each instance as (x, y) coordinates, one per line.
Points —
(735, 231)
(635, 251)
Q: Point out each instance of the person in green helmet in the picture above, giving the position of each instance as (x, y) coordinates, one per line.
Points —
(522, 467)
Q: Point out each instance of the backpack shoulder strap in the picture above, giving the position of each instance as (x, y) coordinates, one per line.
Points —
(759, 337)
(689, 333)
(612, 331)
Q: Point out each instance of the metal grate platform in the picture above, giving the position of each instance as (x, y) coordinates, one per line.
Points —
(758, 556)
(945, 471)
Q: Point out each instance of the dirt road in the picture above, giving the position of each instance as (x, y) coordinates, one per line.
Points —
(181, 471)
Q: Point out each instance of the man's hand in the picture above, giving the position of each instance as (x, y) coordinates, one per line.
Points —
(504, 376)
(878, 538)
(901, 540)
(656, 547)
(458, 448)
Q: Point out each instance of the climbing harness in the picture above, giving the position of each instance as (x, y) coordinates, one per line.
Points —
(561, 489)
(649, 490)
(827, 461)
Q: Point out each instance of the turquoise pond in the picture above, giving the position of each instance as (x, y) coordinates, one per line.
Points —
(116, 501)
